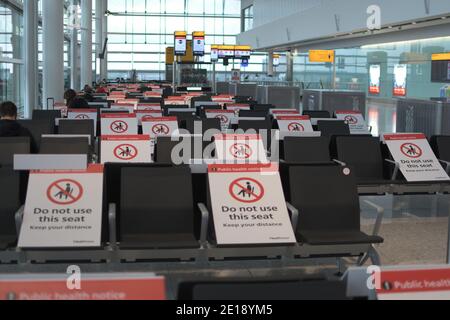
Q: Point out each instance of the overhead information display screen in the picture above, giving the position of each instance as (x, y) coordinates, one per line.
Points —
(242, 52)
(440, 67)
(180, 43)
(198, 39)
(226, 52)
(214, 53)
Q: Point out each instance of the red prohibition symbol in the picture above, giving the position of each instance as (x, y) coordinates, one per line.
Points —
(241, 151)
(295, 126)
(246, 190)
(125, 152)
(351, 119)
(411, 150)
(222, 118)
(160, 129)
(119, 126)
(64, 192)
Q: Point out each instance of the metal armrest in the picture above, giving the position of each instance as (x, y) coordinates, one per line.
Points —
(294, 215)
(18, 217)
(396, 168)
(343, 164)
(205, 222)
(112, 219)
(380, 214)
(446, 165)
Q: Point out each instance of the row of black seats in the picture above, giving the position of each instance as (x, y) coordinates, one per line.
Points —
(148, 217)
(367, 155)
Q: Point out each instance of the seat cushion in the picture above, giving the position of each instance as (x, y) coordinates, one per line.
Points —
(159, 241)
(323, 237)
(7, 242)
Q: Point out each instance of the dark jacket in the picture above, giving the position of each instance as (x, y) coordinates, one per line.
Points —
(11, 128)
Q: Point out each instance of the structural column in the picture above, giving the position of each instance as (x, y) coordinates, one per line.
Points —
(53, 45)
(289, 66)
(86, 42)
(104, 61)
(270, 64)
(30, 12)
(75, 49)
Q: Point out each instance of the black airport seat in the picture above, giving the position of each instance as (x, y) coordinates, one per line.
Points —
(66, 145)
(201, 110)
(333, 128)
(46, 115)
(13, 145)
(164, 149)
(364, 155)
(85, 127)
(10, 204)
(252, 290)
(306, 150)
(256, 125)
(317, 114)
(328, 204)
(170, 108)
(203, 125)
(199, 99)
(157, 208)
(151, 100)
(37, 128)
(262, 107)
(252, 114)
(441, 148)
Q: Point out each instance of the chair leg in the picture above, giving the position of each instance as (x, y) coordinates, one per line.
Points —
(374, 256)
(362, 260)
(339, 265)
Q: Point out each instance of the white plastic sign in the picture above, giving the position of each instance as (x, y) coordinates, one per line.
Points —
(83, 114)
(240, 148)
(63, 209)
(226, 117)
(355, 121)
(124, 106)
(237, 107)
(131, 149)
(295, 124)
(119, 124)
(160, 127)
(415, 157)
(147, 114)
(248, 205)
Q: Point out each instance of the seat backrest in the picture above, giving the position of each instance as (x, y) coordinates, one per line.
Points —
(156, 200)
(311, 289)
(9, 146)
(163, 149)
(362, 153)
(206, 124)
(326, 197)
(77, 127)
(317, 114)
(46, 114)
(252, 114)
(69, 145)
(255, 125)
(306, 150)
(38, 127)
(333, 128)
(441, 147)
(10, 200)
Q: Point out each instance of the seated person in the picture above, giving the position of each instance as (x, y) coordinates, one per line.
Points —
(69, 95)
(78, 103)
(9, 127)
